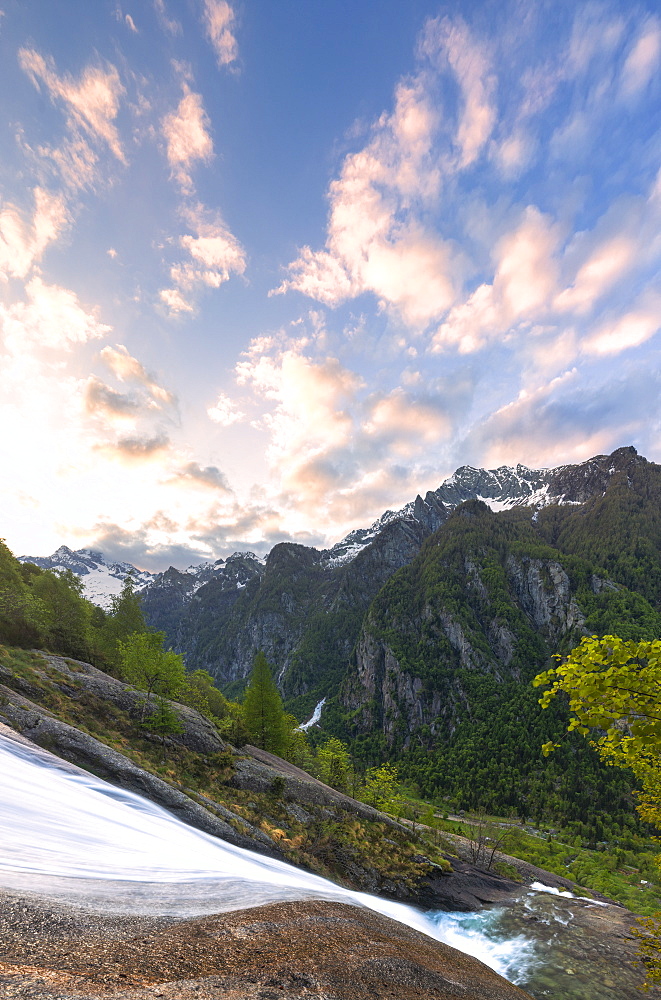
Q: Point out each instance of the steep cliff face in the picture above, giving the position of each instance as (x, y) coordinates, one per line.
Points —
(543, 590)
(299, 607)
(305, 608)
(479, 599)
(227, 620)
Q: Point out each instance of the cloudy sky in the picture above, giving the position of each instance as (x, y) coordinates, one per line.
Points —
(270, 268)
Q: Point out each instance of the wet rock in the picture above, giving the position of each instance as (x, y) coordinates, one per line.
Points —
(89, 754)
(287, 950)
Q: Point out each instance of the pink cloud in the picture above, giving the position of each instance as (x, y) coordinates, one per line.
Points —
(22, 242)
(92, 101)
(219, 18)
(187, 138)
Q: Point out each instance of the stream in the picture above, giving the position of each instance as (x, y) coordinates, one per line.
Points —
(68, 835)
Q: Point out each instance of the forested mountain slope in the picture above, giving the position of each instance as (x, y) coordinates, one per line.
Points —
(305, 607)
(440, 676)
(423, 641)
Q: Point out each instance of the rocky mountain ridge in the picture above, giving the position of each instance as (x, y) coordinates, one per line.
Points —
(102, 579)
(305, 607)
(501, 489)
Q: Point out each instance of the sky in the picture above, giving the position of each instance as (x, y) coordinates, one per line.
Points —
(268, 269)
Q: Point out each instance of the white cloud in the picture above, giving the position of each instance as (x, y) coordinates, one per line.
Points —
(128, 369)
(136, 449)
(568, 419)
(608, 262)
(225, 412)
(337, 454)
(103, 399)
(383, 234)
(596, 32)
(525, 279)
(130, 24)
(187, 138)
(376, 240)
(219, 18)
(213, 255)
(23, 243)
(75, 160)
(219, 253)
(624, 240)
(175, 301)
(206, 476)
(51, 318)
(450, 41)
(405, 423)
(312, 415)
(630, 330)
(92, 101)
(513, 154)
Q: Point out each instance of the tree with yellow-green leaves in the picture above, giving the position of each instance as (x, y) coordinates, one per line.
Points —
(150, 667)
(614, 690)
(615, 686)
(334, 764)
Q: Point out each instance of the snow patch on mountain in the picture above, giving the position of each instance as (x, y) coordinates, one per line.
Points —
(500, 489)
(102, 580)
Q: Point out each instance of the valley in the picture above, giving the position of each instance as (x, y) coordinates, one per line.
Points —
(411, 645)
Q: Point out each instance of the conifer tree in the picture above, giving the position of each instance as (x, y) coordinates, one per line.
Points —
(125, 618)
(263, 709)
(126, 611)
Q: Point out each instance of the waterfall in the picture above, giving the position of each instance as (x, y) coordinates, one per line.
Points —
(316, 715)
(67, 834)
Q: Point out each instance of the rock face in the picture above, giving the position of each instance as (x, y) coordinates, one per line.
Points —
(284, 950)
(304, 608)
(543, 590)
(167, 600)
(486, 596)
(300, 606)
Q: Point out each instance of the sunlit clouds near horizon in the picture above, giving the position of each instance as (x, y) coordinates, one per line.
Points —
(267, 270)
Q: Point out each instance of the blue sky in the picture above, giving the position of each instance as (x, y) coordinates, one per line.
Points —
(268, 269)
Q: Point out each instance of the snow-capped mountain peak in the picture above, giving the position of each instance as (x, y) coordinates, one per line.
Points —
(500, 489)
(101, 578)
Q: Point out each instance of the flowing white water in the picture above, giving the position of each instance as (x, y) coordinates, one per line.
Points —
(479, 934)
(316, 715)
(67, 834)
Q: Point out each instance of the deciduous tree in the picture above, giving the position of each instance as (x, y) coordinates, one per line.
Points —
(334, 764)
(150, 667)
(614, 689)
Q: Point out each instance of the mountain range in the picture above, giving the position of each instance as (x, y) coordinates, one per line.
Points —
(167, 594)
(220, 613)
(424, 631)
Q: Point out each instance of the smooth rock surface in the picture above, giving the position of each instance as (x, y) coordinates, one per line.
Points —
(329, 951)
